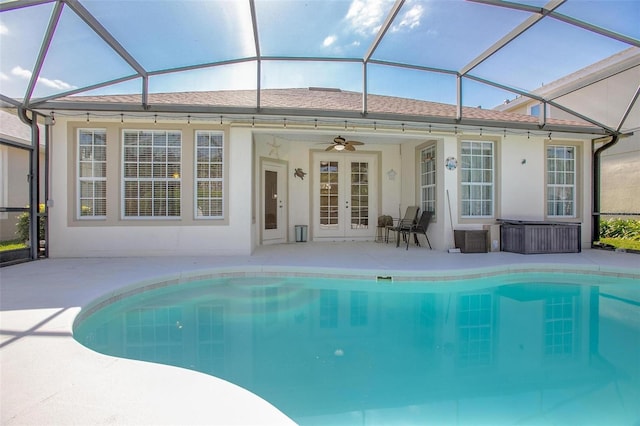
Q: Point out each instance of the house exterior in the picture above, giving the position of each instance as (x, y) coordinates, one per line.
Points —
(189, 183)
(604, 82)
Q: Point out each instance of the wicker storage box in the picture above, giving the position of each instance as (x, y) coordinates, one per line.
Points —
(471, 241)
(540, 237)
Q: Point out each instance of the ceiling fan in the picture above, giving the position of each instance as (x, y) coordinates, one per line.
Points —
(340, 144)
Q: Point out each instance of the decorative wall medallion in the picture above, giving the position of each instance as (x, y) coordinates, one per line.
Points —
(451, 163)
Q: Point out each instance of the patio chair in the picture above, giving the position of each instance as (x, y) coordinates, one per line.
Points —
(419, 228)
(409, 219)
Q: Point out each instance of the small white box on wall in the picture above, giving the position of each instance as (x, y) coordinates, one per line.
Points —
(493, 236)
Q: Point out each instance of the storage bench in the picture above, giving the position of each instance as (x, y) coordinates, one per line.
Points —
(528, 237)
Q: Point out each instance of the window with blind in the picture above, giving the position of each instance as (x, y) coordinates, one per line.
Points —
(561, 181)
(151, 173)
(477, 178)
(92, 174)
(209, 175)
(428, 178)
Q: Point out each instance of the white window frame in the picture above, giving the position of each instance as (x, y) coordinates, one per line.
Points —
(534, 110)
(200, 179)
(475, 327)
(428, 177)
(83, 211)
(560, 326)
(473, 169)
(153, 174)
(561, 175)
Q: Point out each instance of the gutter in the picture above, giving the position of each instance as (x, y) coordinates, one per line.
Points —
(33, 178)
(595, 219)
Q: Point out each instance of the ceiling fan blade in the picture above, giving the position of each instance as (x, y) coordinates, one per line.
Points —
(349, 147)
(330, 148)
(355, 143)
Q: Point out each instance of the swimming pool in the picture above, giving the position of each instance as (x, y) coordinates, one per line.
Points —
(530, 348)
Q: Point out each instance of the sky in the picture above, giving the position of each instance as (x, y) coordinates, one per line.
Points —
(440, 34)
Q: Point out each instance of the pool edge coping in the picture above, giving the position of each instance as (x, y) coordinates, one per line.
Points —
(387, 276)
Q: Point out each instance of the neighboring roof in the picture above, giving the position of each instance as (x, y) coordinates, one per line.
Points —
(620, 62)
(323, 101)
(617, 105)
(12, 128)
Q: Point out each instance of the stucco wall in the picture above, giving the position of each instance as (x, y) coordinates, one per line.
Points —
(520, 189)
(115, 236)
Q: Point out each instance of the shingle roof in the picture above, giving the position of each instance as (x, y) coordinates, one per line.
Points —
(315, 99)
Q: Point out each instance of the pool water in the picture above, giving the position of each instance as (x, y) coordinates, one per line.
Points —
(528, 349)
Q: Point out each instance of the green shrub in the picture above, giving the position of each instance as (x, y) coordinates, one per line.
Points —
(620, 228)
(22, 227)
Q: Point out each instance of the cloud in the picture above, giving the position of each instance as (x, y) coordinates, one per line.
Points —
(21, 72)
(329, 40)
(54, 84)
(3, 77)
(410, 19)
(3, 29)
(366, 16)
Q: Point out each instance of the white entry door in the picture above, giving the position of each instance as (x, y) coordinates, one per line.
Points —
(274, 202)
(345, 196)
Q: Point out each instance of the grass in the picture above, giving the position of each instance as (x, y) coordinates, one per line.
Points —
(622, 243)
(11, 245)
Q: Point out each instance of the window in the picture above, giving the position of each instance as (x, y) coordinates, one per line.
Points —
(534, 110)
(477, 178)
(428, 178)
(359, 195)
(475, 329)
(92, 173)
(359, 308)
(210, 340)
(328, 308)
(561, 181)
(209, 174)
(152, 175)
(559, 326)
(154, 334)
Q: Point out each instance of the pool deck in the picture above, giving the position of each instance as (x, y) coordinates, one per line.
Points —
(46, 377)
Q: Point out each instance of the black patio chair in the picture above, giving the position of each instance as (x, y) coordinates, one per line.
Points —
(418, 228)
(409, 219)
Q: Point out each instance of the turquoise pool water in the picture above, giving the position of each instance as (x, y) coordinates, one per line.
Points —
(520, 349)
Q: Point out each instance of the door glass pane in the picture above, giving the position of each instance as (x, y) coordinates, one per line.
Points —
(270, 199)
(329, 184)
(359, 195)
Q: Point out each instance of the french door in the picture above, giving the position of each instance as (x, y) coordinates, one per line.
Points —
(274, 202)
(344, 196)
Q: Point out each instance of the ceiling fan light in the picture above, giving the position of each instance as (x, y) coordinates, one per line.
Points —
(339, 147)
